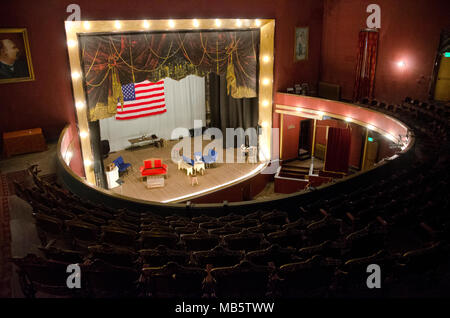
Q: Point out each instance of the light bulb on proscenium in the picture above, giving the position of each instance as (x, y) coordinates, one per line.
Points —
(257, 22)
(238, 23)
(196, 23)
(401, 64)
(266, 81)
(370, 127)
(266, 58)
(79, 105)
(87, 162)
(299, 109)
(321, 113)
(265, 124)
(71, 43)
(87, 25)
(348, 119)
(218, 23)
(83, 134)
(146, 24)
(171, 23)
(117, 25)
(265, 103)
(75, 75)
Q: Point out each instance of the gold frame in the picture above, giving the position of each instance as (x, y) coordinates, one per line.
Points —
(295, 44)
(266, 62)
(26, 45)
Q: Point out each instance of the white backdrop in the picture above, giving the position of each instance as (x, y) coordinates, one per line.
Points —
(185, 102)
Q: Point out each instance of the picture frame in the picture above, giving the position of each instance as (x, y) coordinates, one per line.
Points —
(301, 46)
(15, 56)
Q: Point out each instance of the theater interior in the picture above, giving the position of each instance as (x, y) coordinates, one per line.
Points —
(213, 150)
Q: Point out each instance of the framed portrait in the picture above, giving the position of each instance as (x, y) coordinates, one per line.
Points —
(301, 44)
(15, 57)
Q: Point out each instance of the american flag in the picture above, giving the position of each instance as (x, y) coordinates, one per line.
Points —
(141, 100)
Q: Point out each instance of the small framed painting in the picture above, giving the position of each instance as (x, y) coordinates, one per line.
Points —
(15, 57)
(301, 44)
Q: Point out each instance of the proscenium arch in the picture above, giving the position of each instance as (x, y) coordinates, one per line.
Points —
(266, 60)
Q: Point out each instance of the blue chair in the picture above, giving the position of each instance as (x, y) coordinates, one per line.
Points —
(123, 167)
(210, 158)
(189, 161)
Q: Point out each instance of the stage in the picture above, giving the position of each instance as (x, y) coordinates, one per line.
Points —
(177, 186)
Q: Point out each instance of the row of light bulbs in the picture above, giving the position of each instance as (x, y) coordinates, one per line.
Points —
(349, 119)
(171, 23)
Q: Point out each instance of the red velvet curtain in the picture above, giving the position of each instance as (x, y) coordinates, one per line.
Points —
(366, 65)
(338, 149)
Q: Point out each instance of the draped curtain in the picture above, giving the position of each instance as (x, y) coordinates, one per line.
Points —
(366, 65)
(229, 112)
(338, 149)
(112, 60)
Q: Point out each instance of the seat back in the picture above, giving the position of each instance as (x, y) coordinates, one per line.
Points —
(158, 163)
(148, 164)
(118, 161)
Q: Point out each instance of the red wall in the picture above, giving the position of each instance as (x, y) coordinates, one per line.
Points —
(47, 102)
(410, 31)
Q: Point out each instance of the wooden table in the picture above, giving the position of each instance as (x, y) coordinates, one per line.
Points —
(23, 141)
(141, 141)
(155, 181)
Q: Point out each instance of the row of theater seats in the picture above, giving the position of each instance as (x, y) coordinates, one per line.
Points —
(399, 221)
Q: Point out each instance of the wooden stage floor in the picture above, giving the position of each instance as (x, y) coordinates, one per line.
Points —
(177, 184)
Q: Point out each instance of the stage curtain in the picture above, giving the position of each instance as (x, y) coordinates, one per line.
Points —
(112, 60)
(185, 102)
(230, 112)
(366, 65)
(338, 149)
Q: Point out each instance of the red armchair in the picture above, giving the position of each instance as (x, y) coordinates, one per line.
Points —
(153, 167)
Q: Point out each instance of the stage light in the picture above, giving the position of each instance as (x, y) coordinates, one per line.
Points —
(401, 64)
(145, 24)
(218, 23)
(87, 162)
(348, 119)
(75, 75)
(83, 134)
(265, 81)
(238, 23)
(171, 23)
(79, 105)
(87, 25)
(117, 25)
(196, 23)
(265, 103)
(257, 22)
(266, 58)
(71, 43)
(370, 127)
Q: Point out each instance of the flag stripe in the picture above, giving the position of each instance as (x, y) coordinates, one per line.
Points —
(142, 103)
(141, 115)
(141, 100)
(140, 109)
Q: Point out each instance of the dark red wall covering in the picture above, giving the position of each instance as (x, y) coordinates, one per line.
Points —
(47, 102)
(409, 31)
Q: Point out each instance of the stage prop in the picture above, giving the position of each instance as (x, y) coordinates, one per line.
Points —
(153, 167)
